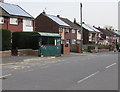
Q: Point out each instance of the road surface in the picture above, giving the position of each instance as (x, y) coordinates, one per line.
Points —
(97, 71)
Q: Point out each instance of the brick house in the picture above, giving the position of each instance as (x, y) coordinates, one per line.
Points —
(73, 36)
(14, 18)
(90, 34)
(52, 24)
(108, 37)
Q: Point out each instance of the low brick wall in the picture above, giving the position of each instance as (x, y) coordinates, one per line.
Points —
(24, 52)
(5, 53)
(66, 49)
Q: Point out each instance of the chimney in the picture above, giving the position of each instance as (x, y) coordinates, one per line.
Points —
(83, 22)
(74, 20)
(58, 15)
(1, 0)
(98, 26)
(43, 12)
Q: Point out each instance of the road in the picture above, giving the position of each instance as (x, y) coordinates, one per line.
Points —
(97, 71)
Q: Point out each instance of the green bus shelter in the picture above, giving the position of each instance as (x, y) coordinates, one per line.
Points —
(49, 44)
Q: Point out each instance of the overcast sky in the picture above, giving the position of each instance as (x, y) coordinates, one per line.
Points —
(95, 12)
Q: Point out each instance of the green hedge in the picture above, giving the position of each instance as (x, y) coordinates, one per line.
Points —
(24, 40)
(104, 47)
(6, 39)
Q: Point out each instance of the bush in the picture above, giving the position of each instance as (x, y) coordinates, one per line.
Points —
(104, 47)
(6, 39)
(24, 40)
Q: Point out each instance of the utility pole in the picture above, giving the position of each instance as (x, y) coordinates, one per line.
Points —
(81, 44)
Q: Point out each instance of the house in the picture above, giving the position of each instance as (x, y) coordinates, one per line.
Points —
(90, 34)
(52, 24)
(108, 37)
(14, 18)
(74, 36)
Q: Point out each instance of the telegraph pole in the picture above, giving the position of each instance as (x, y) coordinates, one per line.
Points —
(81, 45)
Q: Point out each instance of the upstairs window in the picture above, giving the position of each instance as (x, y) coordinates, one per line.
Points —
(1, 20)
(29, 23)
(60, 30)
(67, 30)
(73, 30)
(14, 21)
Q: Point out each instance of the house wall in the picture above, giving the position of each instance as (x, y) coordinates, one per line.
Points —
(44, 24)
(85, 36)
(14, 28)
(11, 27)
(62, 34)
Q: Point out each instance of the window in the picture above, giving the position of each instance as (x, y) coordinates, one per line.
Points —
(58, 42)
(67, 30)
(14, 21)
(73, 41)
(73, 30)
(78, 41)
(62, 41)
(60, 30)
(1, 20)
(67, 41)
(29, 23)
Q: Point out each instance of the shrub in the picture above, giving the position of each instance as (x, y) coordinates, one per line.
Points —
(24, 40)
(104, 47)
(6, 39)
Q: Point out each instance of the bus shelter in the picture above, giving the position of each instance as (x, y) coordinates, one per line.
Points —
(49, 44)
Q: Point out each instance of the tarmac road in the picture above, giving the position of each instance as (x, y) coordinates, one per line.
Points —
(98, 71)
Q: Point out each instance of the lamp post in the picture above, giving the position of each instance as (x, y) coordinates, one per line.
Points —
(81, 45)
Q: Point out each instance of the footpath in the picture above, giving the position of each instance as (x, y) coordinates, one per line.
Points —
(15, 59)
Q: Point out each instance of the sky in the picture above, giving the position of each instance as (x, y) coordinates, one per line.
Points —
(95, 12)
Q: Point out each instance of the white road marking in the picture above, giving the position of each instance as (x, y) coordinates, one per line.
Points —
(29, 70)
(3, 76)
(88, 77)
(111, 65)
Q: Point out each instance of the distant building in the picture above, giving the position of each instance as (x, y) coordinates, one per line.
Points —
(14, 18)
(108, 37)
(90, 34)
(74, 36)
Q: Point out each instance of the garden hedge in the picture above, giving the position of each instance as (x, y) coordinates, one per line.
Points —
(5, 40)
(24, 40)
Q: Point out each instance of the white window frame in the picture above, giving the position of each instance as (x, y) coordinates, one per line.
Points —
(67, 30)
(14, 21)
(68, 41)
(1, 20)
(73, 30)
(73, 41)
(60, 30)
(29, 23)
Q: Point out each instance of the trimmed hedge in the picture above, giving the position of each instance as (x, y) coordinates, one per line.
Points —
(24, 40)
(6, 39)
(104, 47)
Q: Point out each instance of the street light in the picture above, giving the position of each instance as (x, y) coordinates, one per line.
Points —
(81, 27)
